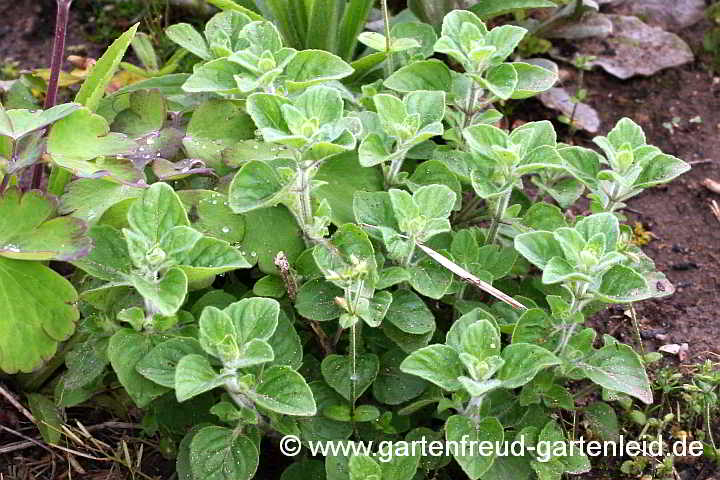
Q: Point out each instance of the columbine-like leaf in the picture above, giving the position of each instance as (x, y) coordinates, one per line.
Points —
(39, 308)
(83, 136)
(18, 123)
(27, 231)
(283, 390)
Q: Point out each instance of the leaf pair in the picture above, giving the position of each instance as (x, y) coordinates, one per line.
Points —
(587, 253)
(634, 166)
(160, 254)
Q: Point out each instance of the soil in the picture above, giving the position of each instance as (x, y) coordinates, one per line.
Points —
(686, 235)
(27, 38)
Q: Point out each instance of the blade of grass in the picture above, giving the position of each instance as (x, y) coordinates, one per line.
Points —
(91, 92)
(353, 23)
(231, 5)
(284, 21)
(323, 25)
(299, 17)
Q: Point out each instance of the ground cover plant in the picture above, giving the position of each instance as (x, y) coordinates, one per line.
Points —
(288, 242)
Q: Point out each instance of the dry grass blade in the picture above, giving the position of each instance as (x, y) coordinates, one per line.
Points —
(712, 185)
(10, 398)
(470, 278)
(715, 209)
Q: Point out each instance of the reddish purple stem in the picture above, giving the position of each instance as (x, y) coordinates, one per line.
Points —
(58, 51)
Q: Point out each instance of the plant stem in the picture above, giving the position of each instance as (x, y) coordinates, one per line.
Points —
(473, 407)
(389, 67)
(468, 211)
(578, 293)
(58, 51)
(353, 363)
(4, 183)
(581, 81)
(502, 205)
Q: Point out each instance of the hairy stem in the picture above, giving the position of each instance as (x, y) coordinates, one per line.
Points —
(577, 304)
(500, 208)
(4, 183)
(58, 51)
(353, 362)
(389, 67)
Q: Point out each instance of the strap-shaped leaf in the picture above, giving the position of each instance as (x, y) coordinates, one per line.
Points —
(93, 88)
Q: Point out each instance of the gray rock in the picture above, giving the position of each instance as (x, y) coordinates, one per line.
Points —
(586, 117)
(669, 14)
(635, 48)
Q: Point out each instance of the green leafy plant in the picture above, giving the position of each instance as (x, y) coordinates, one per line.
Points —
(283, 243)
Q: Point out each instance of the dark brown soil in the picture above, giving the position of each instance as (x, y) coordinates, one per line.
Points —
(28, 35)
(686, 244)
